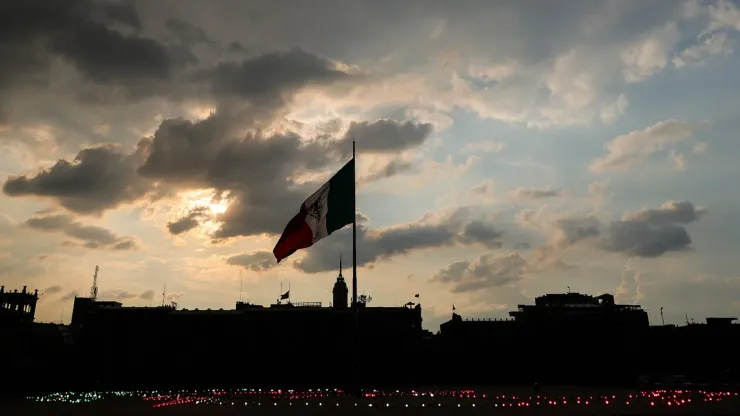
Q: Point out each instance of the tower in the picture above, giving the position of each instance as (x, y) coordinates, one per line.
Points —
(94, 288)
(340, 290)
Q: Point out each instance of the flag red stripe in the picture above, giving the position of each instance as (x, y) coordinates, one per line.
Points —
(297, 235)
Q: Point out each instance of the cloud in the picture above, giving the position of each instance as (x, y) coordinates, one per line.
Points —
(118, 295)
(485, 190)
(88, 236)
(97, 179)
(715, 44)
(523, 193)
(390, 169)
(69, 296)
(485, 271)
(638, 145)
(573, 230)
(257, 105)
(79, 33)
(597, 193)
(188, 222)
(442, 229)
(257, 171)
(257, 261)
(361, 218)
(642, 233)
(678, 159)
(611, 113)
(385, 136)
(52, 290)
(630, 288)
(148, 295)
(650, 55)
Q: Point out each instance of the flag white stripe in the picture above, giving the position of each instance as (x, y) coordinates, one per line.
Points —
(317, 207)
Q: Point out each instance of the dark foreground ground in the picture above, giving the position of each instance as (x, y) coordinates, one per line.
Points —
(512, 400)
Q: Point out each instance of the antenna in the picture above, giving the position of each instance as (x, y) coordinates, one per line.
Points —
(94, 288)
(164, 291)
(241, 284)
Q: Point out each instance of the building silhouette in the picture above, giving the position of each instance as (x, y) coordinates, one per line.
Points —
(17, 307)
(561, 338)
(306, 340)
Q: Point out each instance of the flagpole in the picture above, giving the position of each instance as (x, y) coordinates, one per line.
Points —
(355, 306)
(354, 229)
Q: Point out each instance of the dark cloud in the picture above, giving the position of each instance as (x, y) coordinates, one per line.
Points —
(148, 295)
(87, 235)
(457, 227)
(385, 136)
(642, 233)
(257, 261)
(652, 232)
(672, 212)
(37, 32)
(258, 170)
(390, 169)
(480, 232)
(485, 271)
(573, 230)
(352, 30)
(97, 179)
(188, 222)
(533, 193)
(186, 32)
(52, 290)
(485, 188)
(267, 78)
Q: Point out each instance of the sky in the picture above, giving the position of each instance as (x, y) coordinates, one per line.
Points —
(505, 150)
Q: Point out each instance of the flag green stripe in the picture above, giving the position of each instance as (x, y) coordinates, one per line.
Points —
(340, 200)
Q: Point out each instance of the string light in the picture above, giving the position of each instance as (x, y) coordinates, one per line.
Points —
(418, 399)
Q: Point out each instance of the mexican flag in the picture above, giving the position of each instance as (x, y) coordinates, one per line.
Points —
(327, 210)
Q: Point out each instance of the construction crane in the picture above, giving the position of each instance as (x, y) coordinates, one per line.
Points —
(94, 288)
